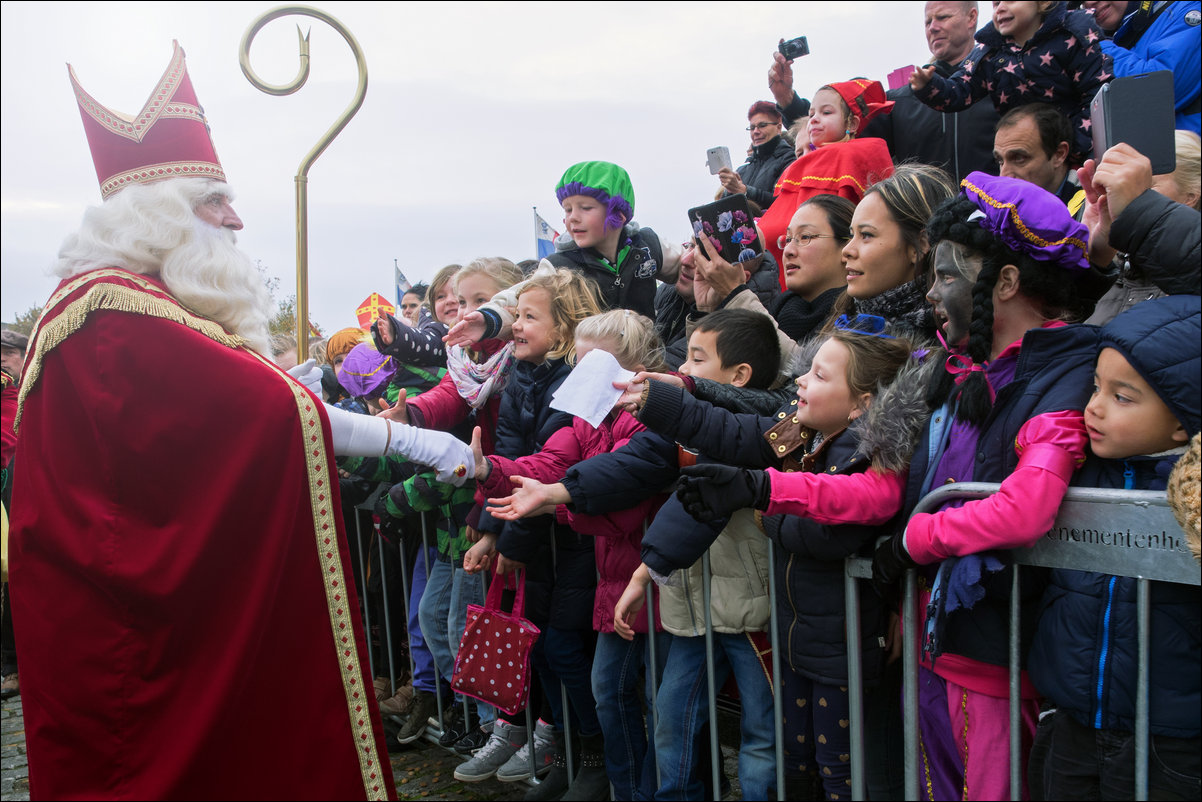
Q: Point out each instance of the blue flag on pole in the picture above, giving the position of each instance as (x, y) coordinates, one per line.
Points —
(402, 284)
(544, 236)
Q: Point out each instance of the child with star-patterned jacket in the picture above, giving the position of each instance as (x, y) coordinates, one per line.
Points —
(1061, 64)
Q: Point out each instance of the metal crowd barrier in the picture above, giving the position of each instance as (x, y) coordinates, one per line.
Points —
(1129, 533)
(1117, 532)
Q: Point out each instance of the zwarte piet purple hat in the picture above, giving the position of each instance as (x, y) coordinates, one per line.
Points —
(1028, 219)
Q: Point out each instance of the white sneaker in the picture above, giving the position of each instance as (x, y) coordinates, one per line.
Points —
(547, 743)
(505, 741)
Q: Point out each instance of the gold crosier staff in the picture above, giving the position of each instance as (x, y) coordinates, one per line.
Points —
(302, 174)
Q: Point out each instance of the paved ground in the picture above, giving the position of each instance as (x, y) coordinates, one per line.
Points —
(14, 770)
(422, 770)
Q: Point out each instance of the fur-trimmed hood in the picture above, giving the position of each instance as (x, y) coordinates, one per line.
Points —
(889, 432)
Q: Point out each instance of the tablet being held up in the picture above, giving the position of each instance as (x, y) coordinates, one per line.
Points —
(1137, 110)
(729, 226)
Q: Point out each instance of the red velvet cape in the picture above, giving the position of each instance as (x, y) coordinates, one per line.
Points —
(184, 610)
(845, 169)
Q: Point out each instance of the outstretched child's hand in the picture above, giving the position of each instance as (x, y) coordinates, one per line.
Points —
(466, 332)
(483, 466)
(711, 492)
(384, 327)
(921, 77)
(398, 412)
(530, 497)
(479, 557)
(631, 602)
(631, 398)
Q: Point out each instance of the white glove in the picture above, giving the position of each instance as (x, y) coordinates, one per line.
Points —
(448, 455)
(357, 435)
(308, 374)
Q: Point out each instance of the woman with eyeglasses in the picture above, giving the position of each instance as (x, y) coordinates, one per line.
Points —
(834, 162)
(812, 261)
(769, 155)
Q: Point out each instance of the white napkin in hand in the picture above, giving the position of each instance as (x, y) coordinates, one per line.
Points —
(588, 392)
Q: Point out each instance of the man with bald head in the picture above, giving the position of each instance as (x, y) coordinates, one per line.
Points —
(959, 142)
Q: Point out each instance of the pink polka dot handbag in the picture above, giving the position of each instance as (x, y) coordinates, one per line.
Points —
(493, 663)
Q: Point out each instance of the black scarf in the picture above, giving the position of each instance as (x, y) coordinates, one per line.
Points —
(905, 306)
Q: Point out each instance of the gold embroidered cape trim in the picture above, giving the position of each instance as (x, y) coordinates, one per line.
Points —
(54, 327)
(160, 99)
(156, 172)
(1018, 221)
(335, 586)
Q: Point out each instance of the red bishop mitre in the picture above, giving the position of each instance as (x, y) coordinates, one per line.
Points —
(168, 138)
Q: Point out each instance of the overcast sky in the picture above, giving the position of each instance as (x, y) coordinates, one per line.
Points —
(473, 111)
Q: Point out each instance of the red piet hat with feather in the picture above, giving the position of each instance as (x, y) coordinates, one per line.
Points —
(168, 138)
(865, 98)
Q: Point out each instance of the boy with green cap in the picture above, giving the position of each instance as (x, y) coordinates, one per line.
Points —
(601, 241)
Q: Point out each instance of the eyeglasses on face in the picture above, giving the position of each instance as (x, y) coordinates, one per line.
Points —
(802, 240)
(761, 126)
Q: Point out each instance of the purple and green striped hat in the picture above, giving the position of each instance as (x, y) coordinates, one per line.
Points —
(606, 182)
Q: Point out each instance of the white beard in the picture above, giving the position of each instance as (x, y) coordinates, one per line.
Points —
(210, 275)
(152, 229)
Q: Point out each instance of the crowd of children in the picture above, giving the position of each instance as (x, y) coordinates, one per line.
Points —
(991, 374)
(925, 334)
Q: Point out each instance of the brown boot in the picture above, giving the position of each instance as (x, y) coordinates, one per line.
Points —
(399, 703)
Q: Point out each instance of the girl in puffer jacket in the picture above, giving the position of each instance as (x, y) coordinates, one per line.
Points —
(617, 663)
(860, 404)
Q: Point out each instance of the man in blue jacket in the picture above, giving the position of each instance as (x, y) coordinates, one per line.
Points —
(1148, 37)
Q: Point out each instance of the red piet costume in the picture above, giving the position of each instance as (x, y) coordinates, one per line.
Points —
(184, 609)
(845, 169)
(838, 168)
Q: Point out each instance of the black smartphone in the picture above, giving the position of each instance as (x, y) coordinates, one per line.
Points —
(1138, 110)
(793, 48)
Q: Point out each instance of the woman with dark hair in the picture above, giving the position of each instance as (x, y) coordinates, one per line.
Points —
(812, 249)
(889, 256)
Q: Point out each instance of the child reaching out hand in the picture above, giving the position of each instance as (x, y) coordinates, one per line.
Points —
(860, 405)
(617, 663)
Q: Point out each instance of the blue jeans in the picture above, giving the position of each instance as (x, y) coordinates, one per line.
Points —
(569, 655)
(424, 674)
(629, 757)
(443, 614)
(684, 707)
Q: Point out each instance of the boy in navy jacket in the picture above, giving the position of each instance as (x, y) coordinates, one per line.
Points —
(1143, 412)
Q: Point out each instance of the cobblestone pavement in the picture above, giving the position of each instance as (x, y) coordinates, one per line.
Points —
(422, 770)
(14, 768)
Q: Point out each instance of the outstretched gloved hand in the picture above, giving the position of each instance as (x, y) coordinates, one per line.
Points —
(710, 492)
(449, 456)
(889, 565)
(308, 374)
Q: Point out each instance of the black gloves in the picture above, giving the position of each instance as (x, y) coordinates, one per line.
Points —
(710, 492)
(889, 565)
